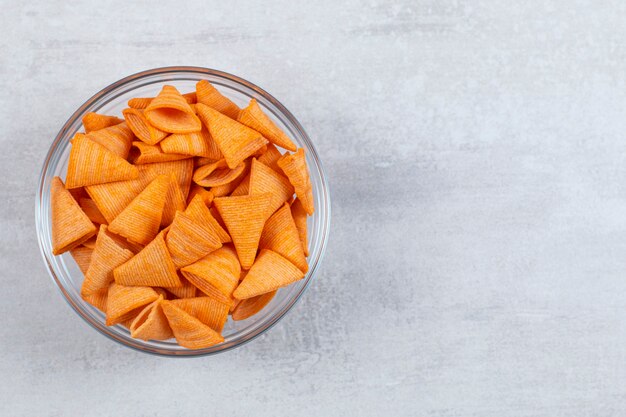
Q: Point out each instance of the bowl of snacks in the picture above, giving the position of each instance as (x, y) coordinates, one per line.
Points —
(182, 211)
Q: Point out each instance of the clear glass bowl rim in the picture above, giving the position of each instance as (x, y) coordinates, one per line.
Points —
(179, 70)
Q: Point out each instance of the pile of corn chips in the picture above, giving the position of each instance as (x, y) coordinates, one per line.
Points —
(183, 213)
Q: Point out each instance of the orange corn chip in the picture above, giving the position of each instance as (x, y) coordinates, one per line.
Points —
(263, 179)
(91, 210)
(142, 153)
(217, 174)
(70, 225)
(209, 95)
(299, 217)
(152, 266)
(216, 275)
(269, 272)
(98, 299)
(94, 121)
(194, 144)
(249, 307)
(244, 217)
(187, 290)
(107, 255)
(206, 196)
(117, 138)
(254, 117)
(137, 122)
(112, 198)
(82, 257)
(151, 323)
(143, 102)
(236, 141)
(271, 157)
(294, 166)
(209, 311)
(124, 303)
(227, 189)
(188, 330)
(183, 170)
(91, 163)
(189, 240)
(280, 235)
(174, 201)
(140, 220)
(198, 211)
(170, 112)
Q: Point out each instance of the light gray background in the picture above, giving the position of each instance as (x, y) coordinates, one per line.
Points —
(477, 156)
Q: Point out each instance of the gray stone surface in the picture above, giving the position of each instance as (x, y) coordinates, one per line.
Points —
(477, 160)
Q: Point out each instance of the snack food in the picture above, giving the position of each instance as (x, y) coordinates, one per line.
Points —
(182, 213)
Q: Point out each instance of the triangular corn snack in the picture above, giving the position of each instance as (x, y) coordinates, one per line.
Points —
(91, 163)
(294, 166)
(269, 272)
(174, 201)
(152, 266)
(107, 255)
(209, 95)
(183, 170)
(270, 158)
(208, 310)
(137, 122)
(117, 138)
(244, 217)
(70, 225)
(151, 323)
(124, 303)
(142, 153)
(300, 219)
(217, 174)
(188, 330)
(170, 112)
(143, 102)
(228, 188)
(216, 275)
(250, 306)
(254, 117)
(280, 235)
(82, 257)
(263, 179)
(98, 299)
(194, 144)
(236, 141)
(94, 121)
(92, 211)
(112, 198)
(189, 240)
(140, 221)
(206, 195)
(198, 211)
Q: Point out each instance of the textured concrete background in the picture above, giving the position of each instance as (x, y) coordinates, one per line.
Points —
(477, 156)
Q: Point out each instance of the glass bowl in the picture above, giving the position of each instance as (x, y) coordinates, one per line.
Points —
(112, 100)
